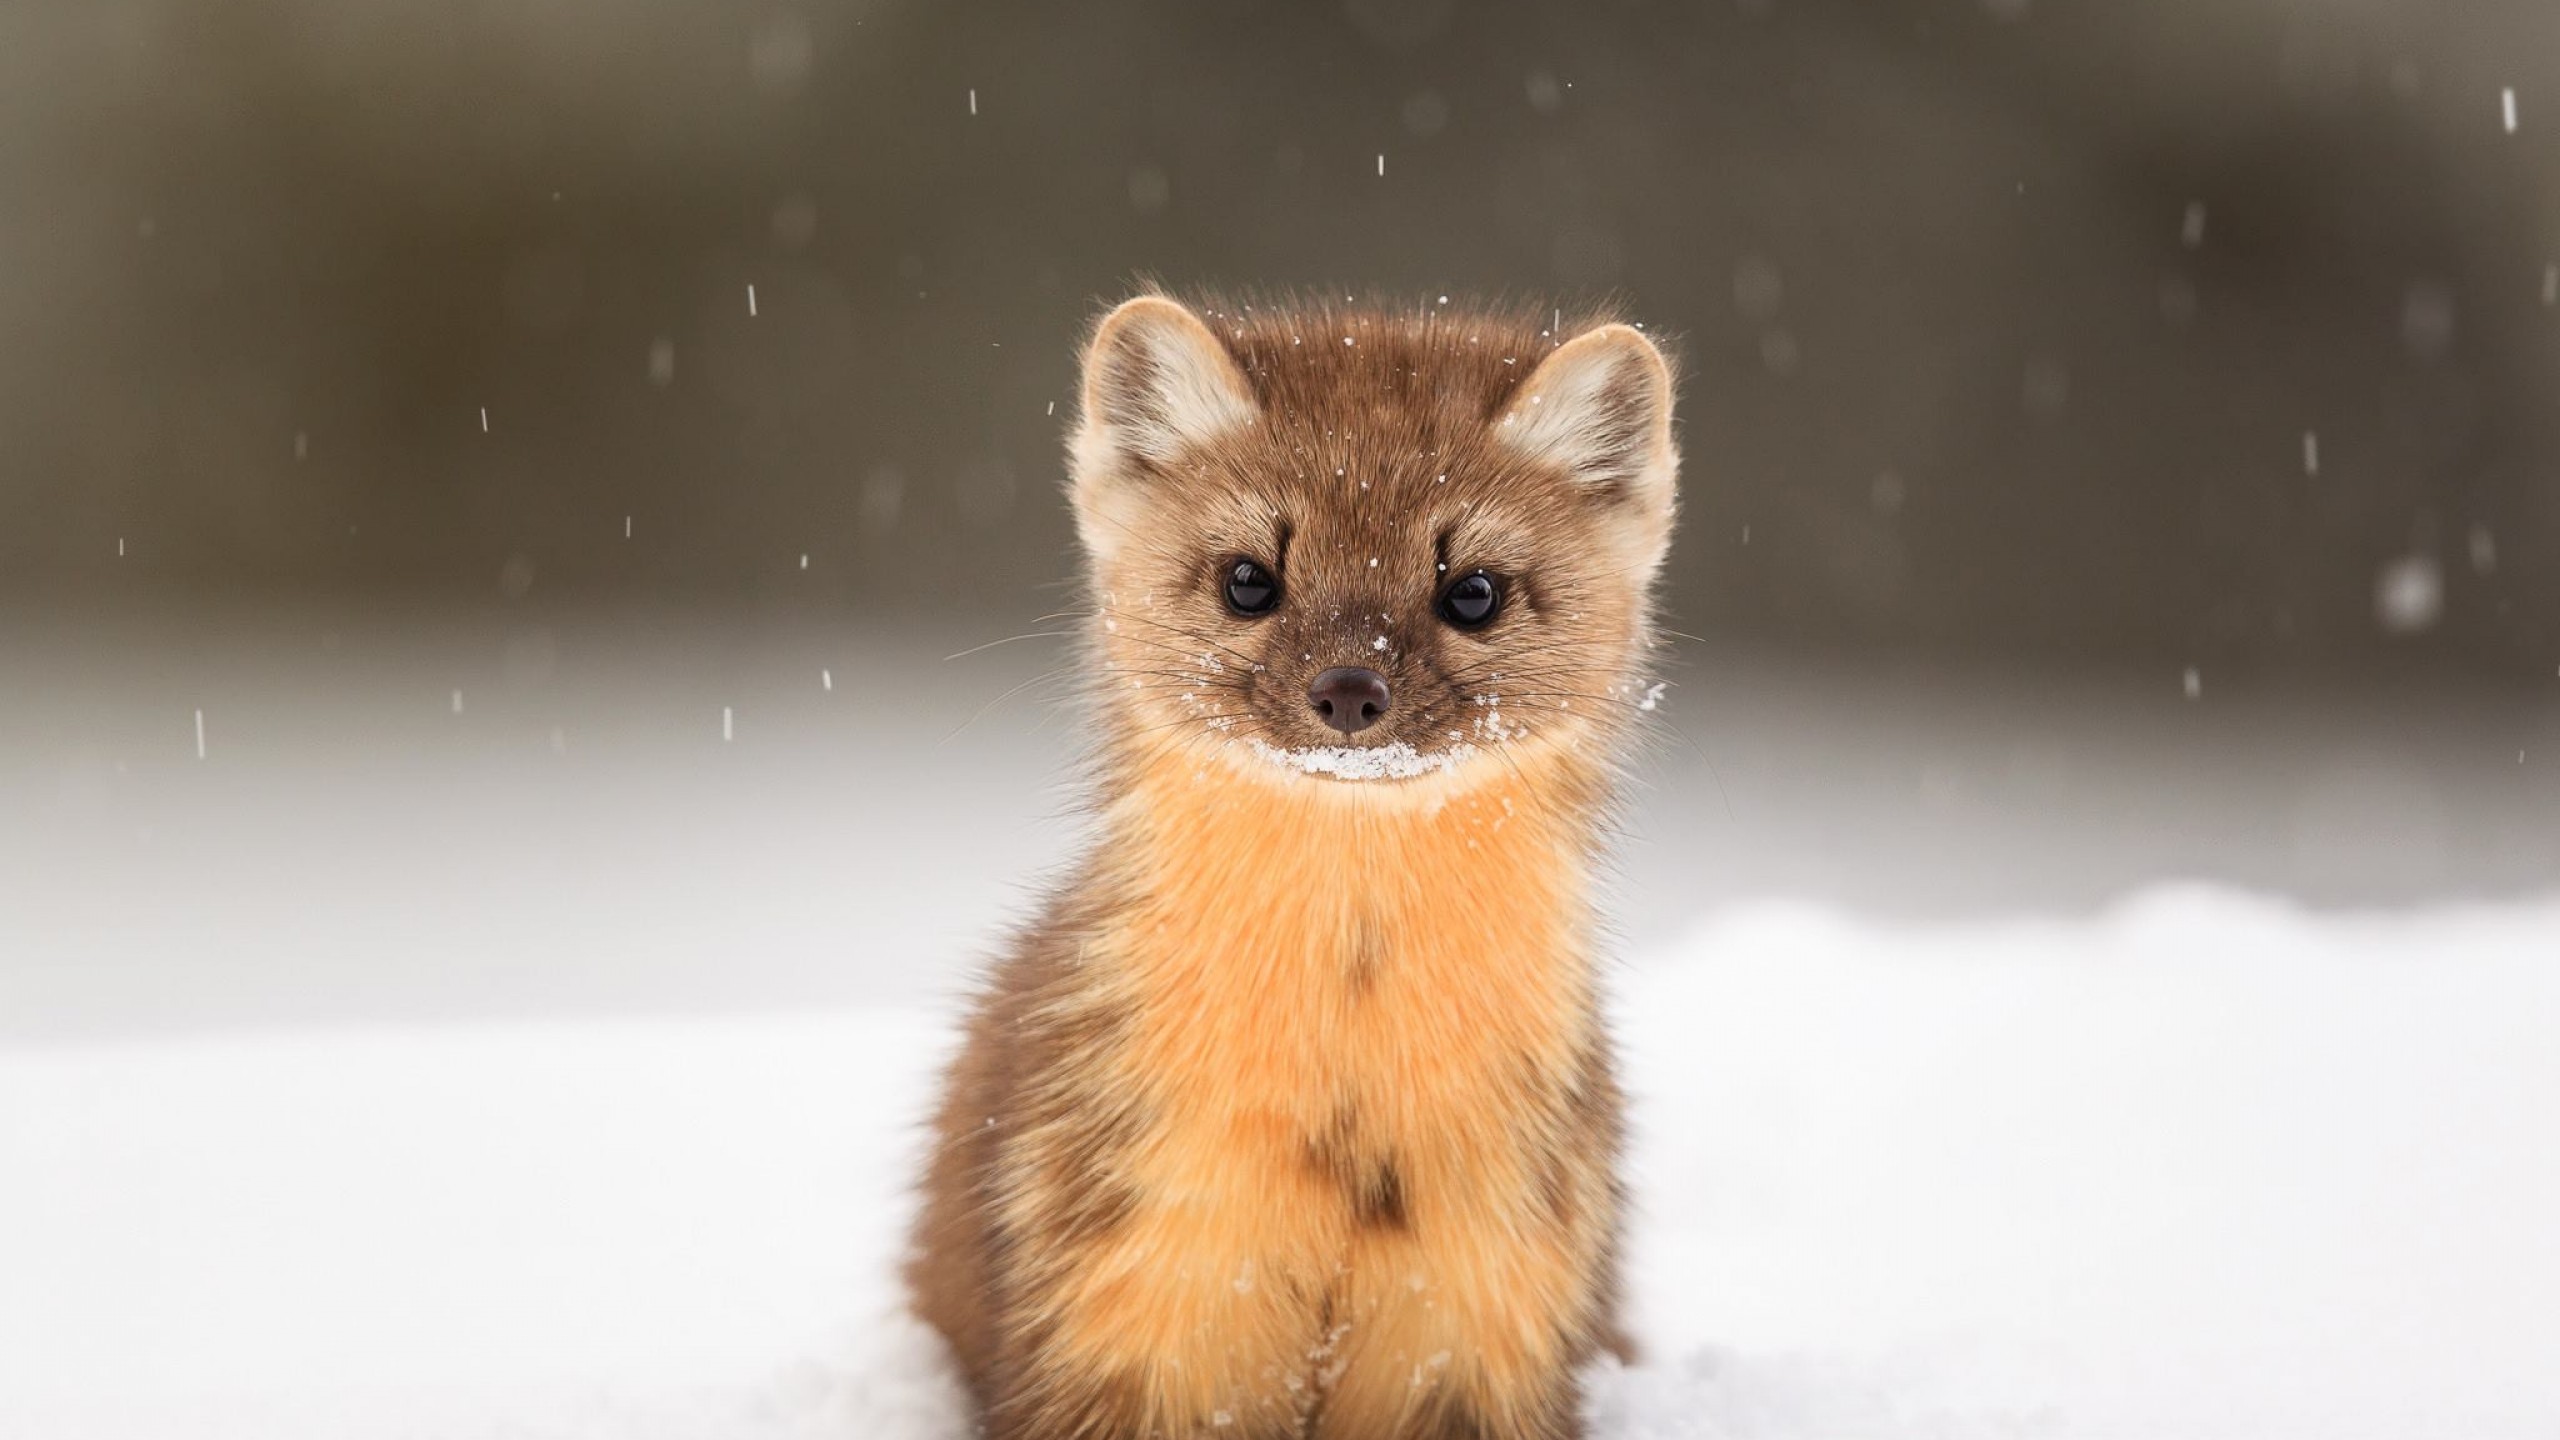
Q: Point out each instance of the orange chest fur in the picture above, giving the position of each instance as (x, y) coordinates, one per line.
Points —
(1298, 955)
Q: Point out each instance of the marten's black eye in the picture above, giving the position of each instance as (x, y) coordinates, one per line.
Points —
(1251, 590)
(1470, 601)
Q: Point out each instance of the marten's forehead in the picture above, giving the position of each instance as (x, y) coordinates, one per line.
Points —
(1429, 371)
(1354, 462)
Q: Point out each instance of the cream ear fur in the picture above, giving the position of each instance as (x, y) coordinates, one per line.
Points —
(1599, 409)
(1155, 381)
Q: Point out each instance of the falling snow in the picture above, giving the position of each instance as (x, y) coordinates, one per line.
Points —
(2484, 550)
(2408, 595)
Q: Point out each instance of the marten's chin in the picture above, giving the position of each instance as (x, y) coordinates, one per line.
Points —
(1390, 762)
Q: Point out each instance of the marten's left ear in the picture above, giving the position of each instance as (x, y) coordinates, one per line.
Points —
(1599, 409)
(1156, 382)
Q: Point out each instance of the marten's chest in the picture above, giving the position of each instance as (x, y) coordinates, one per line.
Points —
(1325, 980)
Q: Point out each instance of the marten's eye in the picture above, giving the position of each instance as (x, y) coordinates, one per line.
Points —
(1251, 590)
(1471, 601)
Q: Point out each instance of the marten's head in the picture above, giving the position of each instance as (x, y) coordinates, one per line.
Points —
(1349, 543)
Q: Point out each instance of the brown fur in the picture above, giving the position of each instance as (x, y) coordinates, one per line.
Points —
(1293, 1116)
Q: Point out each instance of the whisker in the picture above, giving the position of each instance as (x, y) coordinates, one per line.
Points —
(1200, 721)
(1541, 700)
(1008, 693)
(1008, 640)
(1172, 649)
(1239, 656)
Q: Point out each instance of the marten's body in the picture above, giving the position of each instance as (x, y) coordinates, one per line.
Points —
(1294, 1115)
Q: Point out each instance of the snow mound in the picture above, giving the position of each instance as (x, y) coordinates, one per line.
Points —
(2202, 1166)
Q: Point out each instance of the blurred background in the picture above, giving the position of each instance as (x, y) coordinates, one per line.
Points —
(489, 488)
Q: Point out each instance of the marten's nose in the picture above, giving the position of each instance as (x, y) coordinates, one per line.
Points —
(1350, 699)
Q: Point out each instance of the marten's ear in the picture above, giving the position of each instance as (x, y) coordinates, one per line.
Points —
(1155, 382)
(1599, 409)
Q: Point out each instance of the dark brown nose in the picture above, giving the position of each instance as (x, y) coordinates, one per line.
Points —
(1350, 699)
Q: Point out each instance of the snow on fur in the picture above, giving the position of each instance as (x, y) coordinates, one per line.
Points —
(1397, 761)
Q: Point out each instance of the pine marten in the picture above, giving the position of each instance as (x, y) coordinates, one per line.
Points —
(1294, 1114)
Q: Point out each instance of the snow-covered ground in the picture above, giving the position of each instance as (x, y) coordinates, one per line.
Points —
(2200, 1166)
(549, 1065)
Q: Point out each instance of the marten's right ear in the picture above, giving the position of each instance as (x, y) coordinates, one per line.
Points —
(1156, 381)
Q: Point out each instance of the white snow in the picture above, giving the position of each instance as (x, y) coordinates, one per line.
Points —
(2408, 594)
(2200, 1166)
(1398, 761)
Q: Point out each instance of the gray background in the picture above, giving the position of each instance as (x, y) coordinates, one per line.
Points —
(2005, 587)
(1960, 362)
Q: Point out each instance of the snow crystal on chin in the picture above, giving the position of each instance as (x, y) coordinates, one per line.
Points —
(1398, 761)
